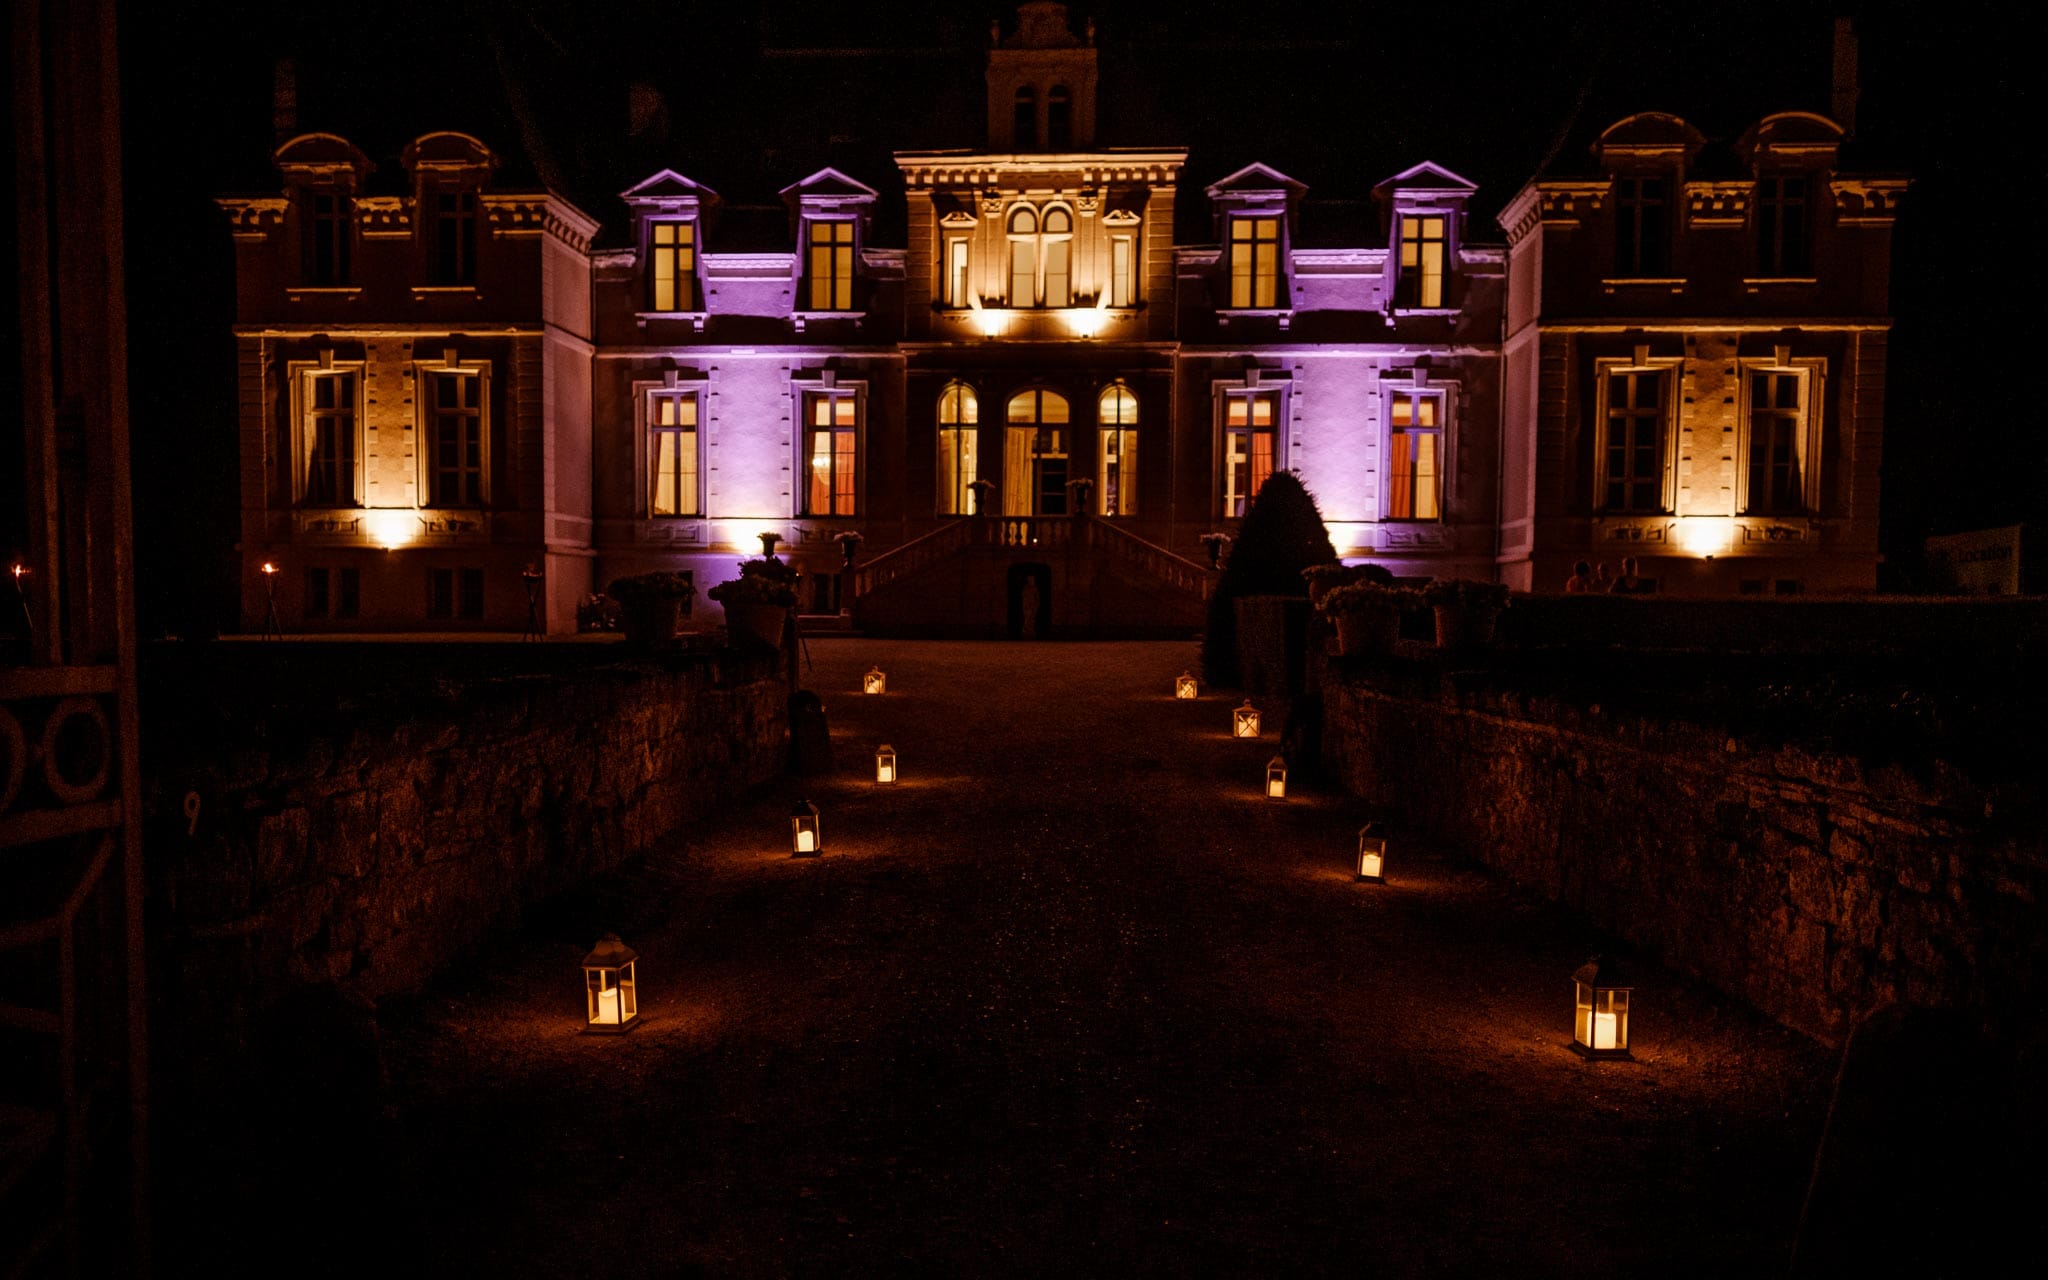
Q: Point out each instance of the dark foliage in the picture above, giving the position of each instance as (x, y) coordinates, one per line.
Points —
(1282, 535)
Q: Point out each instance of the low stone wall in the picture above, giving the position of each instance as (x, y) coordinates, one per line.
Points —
(1817, 884)
(356, 815)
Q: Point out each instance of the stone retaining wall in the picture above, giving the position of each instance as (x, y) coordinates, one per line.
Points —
(363, 835)
(1814, 884)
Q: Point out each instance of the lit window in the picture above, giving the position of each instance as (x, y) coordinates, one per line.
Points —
(672, 253)
(958, 413)
(672, 454)
(1642, 247)
(1416, 451)
(831, 446)
(328, 235)
(1777, 462)
(1632, 453)
(1116, 478)
(1023, 256)
(1122, 271)
(1422, 262)
(328, 439)
(1025, 120)
(1041, 257)
(831, 266)
(1250, 442)
(1035, 455)
(455, 429)
(956, 271)
(1057, 242)
(1254, 263)
(454, 237)
(1782, 248)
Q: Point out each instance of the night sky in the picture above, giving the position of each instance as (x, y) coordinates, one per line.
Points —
(753, 96)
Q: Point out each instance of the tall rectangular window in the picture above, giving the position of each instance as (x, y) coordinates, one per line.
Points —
(831, 266)
(316, 593)
(349, 597)
(672, 254)
(455, 593)
(330, 439)
(1254, 263)
(1122, 271)
(831, 448)
(1633, 451)
(1116, 455)
(956, 271)
(1642, 223)
(959, 413)
(1250, 444)
(672, 454)
(328, 235)
(1777, 443)
(1421, 281)
(1415, 440)
(455, 237)
(455, 432)
(1781, 226)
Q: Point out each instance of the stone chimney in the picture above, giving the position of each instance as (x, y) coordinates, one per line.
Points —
(284, 100)
(1842, 102)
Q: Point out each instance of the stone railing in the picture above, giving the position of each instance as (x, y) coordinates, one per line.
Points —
(1153, 560)
(918, 553)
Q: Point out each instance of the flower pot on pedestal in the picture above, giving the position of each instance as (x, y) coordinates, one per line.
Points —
(750, 625)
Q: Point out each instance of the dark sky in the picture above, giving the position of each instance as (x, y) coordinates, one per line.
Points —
(759, 94)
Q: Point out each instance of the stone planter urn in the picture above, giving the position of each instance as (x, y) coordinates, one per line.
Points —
(1367, 631)
(1464, 626)
(651, 621)
(755, 626)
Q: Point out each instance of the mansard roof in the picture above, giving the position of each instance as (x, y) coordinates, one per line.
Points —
(1256, 177)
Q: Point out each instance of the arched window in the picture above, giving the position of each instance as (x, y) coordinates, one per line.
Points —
(1041, 257)
(1059, 119)
(1023, 256)
(1116, 465)
(1026, 120)
(1035, 455)
(958, 413)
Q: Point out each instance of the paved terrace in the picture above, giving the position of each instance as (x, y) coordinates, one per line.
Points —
(1074, 998)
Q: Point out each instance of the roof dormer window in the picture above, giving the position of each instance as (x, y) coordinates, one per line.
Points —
(328, 227)
(1423, 252)
(672, 264)
(829, 264)
(1254, 263)
(452, 215)
(1642, 227)
(1059, 119)
(1024, 132)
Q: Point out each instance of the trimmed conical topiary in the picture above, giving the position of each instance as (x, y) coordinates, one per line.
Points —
(1282, 534)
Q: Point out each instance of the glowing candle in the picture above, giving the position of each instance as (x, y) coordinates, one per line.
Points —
(1603, 1031)
(806, 841)
(608, 1006)
(1276, 788)
(1369, 865)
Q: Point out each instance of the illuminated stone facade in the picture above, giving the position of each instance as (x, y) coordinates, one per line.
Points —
(1044, 352)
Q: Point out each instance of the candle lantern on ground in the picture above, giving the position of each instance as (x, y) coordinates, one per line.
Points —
(1244, 722)
(611, 994)
(1600, 1018)
(806, 837)
(1276, 778)
(874, 681)
(1372, 854)
(1184, 686)
(885, 763)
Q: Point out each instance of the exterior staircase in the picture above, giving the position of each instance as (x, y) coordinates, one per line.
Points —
(1069, 576)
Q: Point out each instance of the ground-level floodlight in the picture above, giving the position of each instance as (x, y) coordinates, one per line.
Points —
(612, 995)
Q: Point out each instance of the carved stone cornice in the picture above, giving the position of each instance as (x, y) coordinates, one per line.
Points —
(253, 217)
(1565, 203)
(380, 216)
(1718, 204)
(1867, 202)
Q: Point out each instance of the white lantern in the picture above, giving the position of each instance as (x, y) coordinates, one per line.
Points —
(806, 836)
(885, 763)
(874, 681)
(1276, 778)
(1600, 1016)
(612, 996)
(1244, 722)
(1184, 686)
(1372, 854)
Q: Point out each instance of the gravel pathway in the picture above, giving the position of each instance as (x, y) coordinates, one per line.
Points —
(1073, 996)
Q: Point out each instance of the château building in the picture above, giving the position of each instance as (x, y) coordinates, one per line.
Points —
(457, 387)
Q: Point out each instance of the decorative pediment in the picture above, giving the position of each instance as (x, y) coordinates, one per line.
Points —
(669, 191)
(1120, 218)
(1256, 180)
(830, 186)
(1648, 135)
(321, 155)
(1790, 135)
(447, 150)
(1428, 181)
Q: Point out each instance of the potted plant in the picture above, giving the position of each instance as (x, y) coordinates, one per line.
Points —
(1325, 578)
(1465, 611)
(758, 602)
(651, 605)
(849, 541)
(1214, 544)
(982, 490)
(1367, 615)
(1077, 495)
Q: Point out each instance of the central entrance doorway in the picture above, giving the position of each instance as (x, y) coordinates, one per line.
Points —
(1035, 454)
